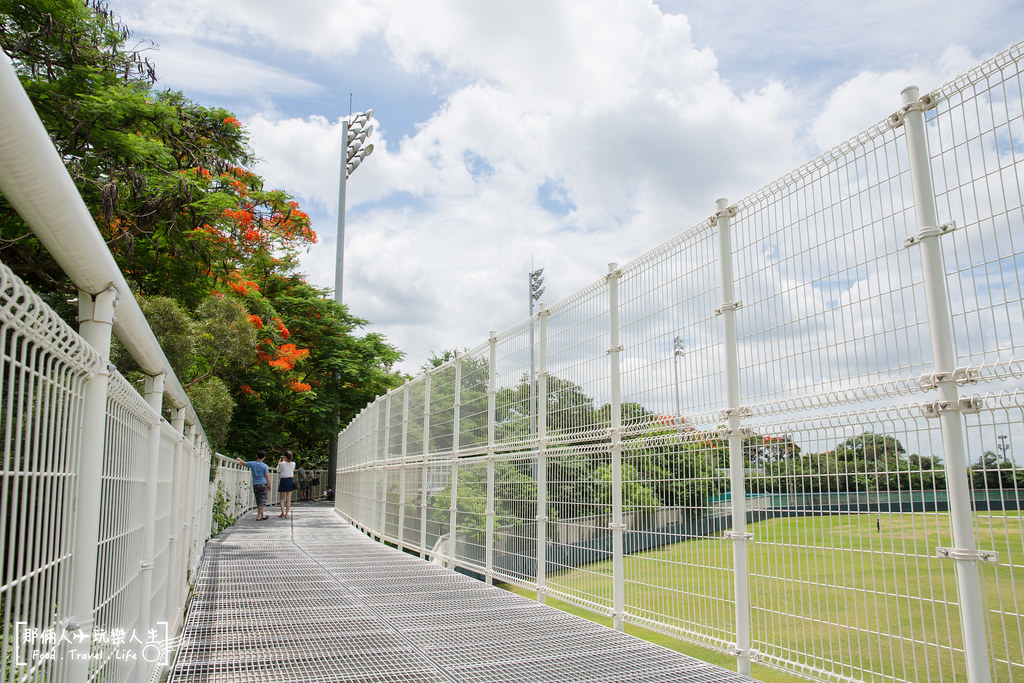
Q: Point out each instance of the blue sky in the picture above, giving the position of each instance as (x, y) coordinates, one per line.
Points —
(563, 133)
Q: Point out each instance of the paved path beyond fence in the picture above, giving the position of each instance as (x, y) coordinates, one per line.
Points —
(313, 599)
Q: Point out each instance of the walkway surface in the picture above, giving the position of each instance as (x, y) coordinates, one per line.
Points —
(313, 599)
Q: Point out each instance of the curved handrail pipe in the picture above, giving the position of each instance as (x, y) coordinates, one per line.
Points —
(35, 182)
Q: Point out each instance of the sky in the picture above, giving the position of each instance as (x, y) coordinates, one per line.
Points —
(563, 134)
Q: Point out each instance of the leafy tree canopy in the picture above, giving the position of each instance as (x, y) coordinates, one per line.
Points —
(210, 251)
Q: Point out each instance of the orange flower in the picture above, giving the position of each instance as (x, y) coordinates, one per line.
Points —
(232, 121)
(256, 321)
(281, 328)
(299, 386)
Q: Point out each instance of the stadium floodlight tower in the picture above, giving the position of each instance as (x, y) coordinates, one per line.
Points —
(536, 278)
(353, 134)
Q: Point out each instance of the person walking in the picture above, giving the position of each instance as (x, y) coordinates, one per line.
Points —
(260, 481)
(286, 468)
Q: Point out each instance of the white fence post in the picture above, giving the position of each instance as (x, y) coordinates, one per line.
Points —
(426, 465)
(453, 509)
(737, 467)
(615, 438)
(947, 410)
(174, 577)
(154, 394)
(96, 315)
(492, 386)
(405, 452)
(540, 401)
(382, 471)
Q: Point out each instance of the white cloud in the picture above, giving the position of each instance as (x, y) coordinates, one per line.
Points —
(313, 26)
(571, 133)
(185, 64)
(868, 97)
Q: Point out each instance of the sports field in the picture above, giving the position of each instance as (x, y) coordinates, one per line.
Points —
(855, 597)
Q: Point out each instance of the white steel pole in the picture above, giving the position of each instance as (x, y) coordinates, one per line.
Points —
(737, 486)
(541, 402)
(617, 525)
(453, 510)
(972, 617)
(174, 577)
(96, 316)
(405, 452)
(382, 474)
(533, 370)
(492, 359)
(675, 374)
(426, 465)
(187, 529)
(154, 395)
(339, 253)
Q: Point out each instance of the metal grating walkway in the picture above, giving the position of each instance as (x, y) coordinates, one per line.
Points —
(316, 600)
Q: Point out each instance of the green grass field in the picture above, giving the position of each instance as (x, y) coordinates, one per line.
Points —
(829, 594)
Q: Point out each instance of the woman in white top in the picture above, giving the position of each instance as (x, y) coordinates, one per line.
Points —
(286, 468)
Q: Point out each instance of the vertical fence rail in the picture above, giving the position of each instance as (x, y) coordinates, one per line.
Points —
(737, 460)
(823, 432)
(948, 408)
(539, 408)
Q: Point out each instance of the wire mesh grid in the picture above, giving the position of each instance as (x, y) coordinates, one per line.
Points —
(334, 606)
(44, 366)
(844, 298)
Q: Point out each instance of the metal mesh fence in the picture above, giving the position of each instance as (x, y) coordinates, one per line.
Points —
(105, 507)
(787, 434)
(44, 368)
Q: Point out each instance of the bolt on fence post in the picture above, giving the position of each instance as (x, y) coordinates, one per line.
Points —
(540, 400)
(96, 316)
(154, 395)
(972, 617)
(405, 452)
(737, 485)
(615, 447)
(492, 358)
(426, 465)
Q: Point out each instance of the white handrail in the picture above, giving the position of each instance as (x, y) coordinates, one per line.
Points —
(36, 183)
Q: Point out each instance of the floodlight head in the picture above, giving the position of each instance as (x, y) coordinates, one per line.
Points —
(537, 273)
(537, 293)
(354, 139)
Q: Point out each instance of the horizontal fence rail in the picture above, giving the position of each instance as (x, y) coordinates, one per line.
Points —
(789, 434)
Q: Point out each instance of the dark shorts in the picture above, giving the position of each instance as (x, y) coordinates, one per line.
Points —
(261, 491)
(287, 484)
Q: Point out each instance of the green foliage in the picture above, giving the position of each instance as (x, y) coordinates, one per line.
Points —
(172, 326)
(510, 487)
(991, 474)
(211, 252)
(211, 398)
(222, 518)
